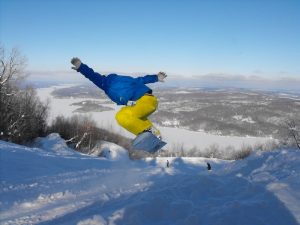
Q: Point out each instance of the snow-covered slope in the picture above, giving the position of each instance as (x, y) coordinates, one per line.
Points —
(47, 186)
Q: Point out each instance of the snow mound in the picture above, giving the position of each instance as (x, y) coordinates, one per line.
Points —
(96, 220)
(54, 143)
(110, 151)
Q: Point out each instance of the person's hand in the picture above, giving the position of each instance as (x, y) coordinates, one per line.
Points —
(161, 76)
(76, 62)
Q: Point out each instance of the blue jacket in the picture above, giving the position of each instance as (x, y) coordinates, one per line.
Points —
(120, 89)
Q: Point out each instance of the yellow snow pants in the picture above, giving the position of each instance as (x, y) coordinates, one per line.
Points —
(134, 118)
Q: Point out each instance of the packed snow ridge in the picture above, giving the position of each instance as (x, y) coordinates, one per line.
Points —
(52, 184)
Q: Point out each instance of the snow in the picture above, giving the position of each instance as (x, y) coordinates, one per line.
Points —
(110, 151)
(243, 119)
(44, 185)
(53, 142)
(183, 92)
(203, 140)
(171, 122)
(96, 220)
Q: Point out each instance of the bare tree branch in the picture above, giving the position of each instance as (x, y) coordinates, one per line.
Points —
(71, 139)
(81, 140)
(11, 67)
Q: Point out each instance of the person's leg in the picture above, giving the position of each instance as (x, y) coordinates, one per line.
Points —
(134, 118)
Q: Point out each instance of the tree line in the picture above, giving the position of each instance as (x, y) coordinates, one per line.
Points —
(22, 114)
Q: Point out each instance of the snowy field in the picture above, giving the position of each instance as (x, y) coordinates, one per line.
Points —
(52, 184)
(173, 136)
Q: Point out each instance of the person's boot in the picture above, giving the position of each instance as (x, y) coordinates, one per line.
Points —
(154, 131)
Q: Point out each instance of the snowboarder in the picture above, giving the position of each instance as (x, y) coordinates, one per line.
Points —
(137, 98)
(168, 164)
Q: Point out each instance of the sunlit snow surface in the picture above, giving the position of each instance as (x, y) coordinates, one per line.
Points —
(53, 184)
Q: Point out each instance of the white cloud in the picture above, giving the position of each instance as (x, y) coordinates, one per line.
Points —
(222, 80)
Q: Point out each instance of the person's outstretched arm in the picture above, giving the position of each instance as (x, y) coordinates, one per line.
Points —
(153, 78)
(88, 72)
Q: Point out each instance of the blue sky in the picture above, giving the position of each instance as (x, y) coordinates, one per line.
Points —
(188, 38)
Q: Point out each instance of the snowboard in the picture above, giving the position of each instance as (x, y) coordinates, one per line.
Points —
(147, 142)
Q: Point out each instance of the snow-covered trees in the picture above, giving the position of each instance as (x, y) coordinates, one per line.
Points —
(293, 132)
(22, 114)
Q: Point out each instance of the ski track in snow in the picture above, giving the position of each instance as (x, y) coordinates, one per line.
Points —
(71, 191)
(48, 186)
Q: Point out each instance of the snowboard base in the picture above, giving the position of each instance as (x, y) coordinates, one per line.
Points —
(147, 142)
